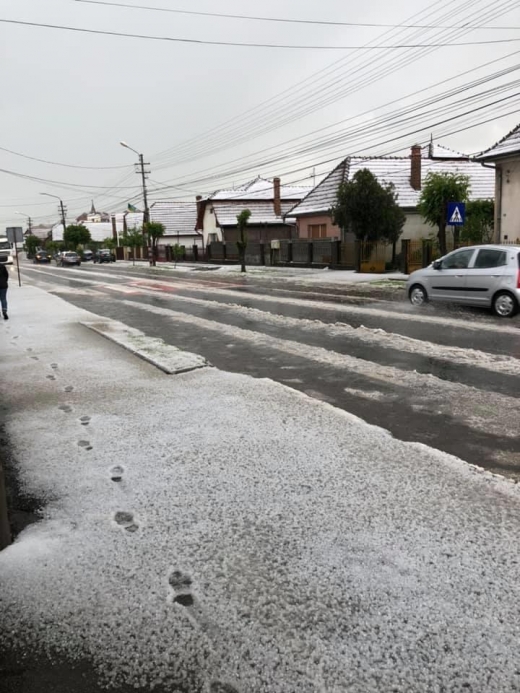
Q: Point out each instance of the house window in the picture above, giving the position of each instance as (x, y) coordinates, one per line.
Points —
(317, 231)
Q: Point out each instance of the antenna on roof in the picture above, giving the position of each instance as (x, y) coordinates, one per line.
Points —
(430, 148)
(314, 177)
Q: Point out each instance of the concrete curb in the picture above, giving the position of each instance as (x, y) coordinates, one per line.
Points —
(165, 357)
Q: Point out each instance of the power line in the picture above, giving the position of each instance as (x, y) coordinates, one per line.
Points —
(258, 122)
(427, 127)
(57, 182)
(237, 44)
(279, 19)
(55, 163)
(424, 103)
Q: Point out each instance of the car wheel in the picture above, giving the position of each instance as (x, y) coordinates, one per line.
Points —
(418, 295)
(505, 305)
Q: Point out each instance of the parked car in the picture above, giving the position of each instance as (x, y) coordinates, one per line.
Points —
(87, 255)
(483, 275)
(42, 257)
(69, 258)
(104, 255)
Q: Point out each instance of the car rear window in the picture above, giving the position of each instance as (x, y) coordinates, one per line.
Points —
(488, 258)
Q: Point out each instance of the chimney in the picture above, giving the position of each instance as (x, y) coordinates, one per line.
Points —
(277, 199)
(200, 223)
(415, 170)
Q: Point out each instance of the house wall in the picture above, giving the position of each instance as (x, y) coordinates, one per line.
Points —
(261, 233)
(187, 240)
(508, 226)
(414, 229)
(332, 231)
(210, 226)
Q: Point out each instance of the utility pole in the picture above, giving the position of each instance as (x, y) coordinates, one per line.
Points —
(144, 173)
(141, 169)
(62, 209)
(63, 220)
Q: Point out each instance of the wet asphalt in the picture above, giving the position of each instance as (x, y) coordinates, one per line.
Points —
(393, 405)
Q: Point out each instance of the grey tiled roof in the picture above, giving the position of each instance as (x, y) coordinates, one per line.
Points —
(179, 218)
(510, 144)
(439, 151)
(323, 197)
(261, 189)
(396, 171)
(261, 212)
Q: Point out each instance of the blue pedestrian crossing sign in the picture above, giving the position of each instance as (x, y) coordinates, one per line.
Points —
(456, 214)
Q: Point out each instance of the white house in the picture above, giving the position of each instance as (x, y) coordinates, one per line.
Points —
(407, 174)
(505, 155)
(267, 200)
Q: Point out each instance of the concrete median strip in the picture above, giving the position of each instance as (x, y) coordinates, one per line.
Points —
(167, 358)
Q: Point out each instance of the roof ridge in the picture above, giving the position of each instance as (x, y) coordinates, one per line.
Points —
(509, 134)
(342, 163)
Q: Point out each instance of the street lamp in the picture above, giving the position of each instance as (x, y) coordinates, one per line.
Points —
(29, 222)
(62, 209)
(142, 171)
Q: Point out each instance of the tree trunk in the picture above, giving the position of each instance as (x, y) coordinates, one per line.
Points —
(242, 251)
(394, 253)
(442, 238)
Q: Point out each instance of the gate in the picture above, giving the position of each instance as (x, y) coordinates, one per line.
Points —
(372, 258)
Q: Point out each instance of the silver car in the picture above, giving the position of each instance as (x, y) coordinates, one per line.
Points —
(481, 275)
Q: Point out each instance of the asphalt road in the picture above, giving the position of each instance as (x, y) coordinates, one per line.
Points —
(444, 376)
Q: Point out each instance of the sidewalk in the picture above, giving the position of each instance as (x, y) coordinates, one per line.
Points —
(210, 533)
(305, 275)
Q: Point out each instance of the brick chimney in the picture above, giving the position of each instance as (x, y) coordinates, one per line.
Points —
(415, 169)
(200, 214)
(277, 202)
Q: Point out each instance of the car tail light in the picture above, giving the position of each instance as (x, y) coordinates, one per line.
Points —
(518, 280)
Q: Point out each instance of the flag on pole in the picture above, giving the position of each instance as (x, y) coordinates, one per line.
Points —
(131, 208)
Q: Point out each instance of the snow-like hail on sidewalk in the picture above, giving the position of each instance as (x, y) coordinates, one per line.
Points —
(222, 528)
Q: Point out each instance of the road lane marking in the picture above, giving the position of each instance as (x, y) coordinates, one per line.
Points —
(495, 413)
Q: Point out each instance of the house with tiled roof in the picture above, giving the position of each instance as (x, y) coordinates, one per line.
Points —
(407, 174)
(268, 201)
(504, 157)
(179, 220)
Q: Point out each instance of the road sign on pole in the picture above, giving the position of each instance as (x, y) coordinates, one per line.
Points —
(15, 236)
(456, 215)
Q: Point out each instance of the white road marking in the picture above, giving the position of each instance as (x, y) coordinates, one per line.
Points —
(495, 413)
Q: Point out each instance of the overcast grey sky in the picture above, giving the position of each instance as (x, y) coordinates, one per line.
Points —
(71, 97)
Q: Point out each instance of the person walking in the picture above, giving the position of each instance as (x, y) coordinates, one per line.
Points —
(4, 283)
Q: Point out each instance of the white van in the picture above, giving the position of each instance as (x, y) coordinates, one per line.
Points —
(6, 251)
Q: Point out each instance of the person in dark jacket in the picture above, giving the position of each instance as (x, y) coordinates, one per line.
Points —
(4, 283)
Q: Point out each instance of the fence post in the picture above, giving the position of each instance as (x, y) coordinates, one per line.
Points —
(357, 255)
(289, 252)
(310, 252)
(262, 254)
(426, 253)
(336, 253)
(195, 252)
(224, 252)
(405, 250)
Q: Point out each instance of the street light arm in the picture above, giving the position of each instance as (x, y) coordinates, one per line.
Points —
(126, 146)
(50, 195)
